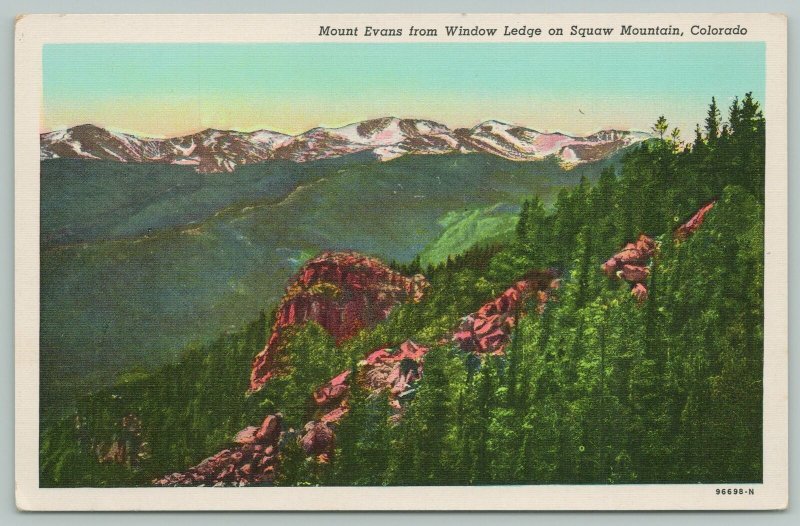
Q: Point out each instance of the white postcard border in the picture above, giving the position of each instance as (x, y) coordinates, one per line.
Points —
(33, 31)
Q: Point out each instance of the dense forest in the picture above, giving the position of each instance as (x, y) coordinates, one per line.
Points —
(598, 388)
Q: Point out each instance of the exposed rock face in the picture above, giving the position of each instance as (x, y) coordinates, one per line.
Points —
(344, 293)
(631, 264)
(387, 369)
(489, 330)
(253, 461)
(393, 370)
(334, 390)
(691, 226)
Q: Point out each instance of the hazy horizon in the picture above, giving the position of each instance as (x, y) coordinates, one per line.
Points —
(166, 90)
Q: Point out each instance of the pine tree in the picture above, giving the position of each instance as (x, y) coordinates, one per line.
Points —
(712, 122)
(660, 127)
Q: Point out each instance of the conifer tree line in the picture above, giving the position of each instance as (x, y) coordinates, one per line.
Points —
(599, 388)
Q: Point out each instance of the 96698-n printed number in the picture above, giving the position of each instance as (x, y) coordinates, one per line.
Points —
(735, 491)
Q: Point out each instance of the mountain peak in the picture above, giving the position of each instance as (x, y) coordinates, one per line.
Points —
(215, 150)
(492, 123)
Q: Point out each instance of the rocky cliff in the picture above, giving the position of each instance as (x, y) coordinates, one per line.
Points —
(342, 292)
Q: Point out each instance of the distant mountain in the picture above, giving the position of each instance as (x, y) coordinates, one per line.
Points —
(209, 150)
(212, 151)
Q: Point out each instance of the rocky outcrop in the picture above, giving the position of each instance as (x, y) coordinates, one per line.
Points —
(390, 370)
(632, 263)
(488, 330)
(396, 370)
(344, 293)
(251, 462)
(318, 439)
(691, 226)
(355, 291)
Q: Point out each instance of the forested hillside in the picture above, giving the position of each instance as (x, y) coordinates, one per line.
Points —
(596, 385)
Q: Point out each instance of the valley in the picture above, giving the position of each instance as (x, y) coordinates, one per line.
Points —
(140, 260)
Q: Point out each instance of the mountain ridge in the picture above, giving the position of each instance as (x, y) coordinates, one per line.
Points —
(220, 151)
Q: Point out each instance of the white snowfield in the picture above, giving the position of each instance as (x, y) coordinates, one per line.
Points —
(386, 139)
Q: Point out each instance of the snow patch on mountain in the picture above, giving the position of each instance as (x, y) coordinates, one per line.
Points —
(386, 138)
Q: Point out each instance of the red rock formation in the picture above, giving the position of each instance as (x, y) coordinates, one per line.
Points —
(488, 330)
(635, 256)
(631, 263)
(633, 273)
(691, 226)
(253, 461)
(344, 293)
(393, 370)
(389, 369)
(334, 390)
(386, 368)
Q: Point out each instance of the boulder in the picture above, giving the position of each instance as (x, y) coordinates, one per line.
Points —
(270, 430)
(318, 438)
(334, 390)
(246, 435)
(639, 291)
(633, 273)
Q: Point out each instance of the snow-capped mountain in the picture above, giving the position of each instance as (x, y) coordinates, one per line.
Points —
(208, 150)
(524, 144)
(386, 138)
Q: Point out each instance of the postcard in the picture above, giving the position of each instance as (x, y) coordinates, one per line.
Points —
(407, 262)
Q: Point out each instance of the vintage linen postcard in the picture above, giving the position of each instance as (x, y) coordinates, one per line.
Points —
(408, 262)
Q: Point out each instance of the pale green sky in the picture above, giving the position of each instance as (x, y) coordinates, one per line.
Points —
(169, 89)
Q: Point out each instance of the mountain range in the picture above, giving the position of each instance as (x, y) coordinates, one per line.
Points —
(217, 151)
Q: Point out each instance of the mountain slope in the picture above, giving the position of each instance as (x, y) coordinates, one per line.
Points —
(662, 383)
(213, 151)
(155, 271)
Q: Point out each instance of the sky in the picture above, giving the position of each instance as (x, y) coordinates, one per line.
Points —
(164, 90)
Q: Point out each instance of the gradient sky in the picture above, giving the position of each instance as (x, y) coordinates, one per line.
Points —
(171, 89)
